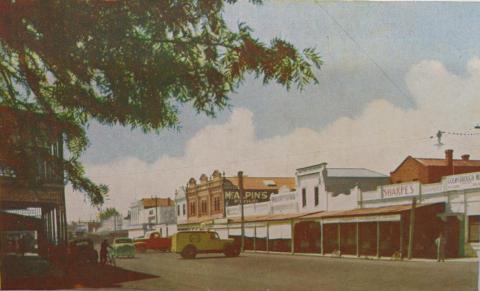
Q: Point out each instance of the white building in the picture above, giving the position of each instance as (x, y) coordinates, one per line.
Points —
(181, 205)
(151, 214)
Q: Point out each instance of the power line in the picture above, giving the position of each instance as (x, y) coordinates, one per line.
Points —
(384, 73)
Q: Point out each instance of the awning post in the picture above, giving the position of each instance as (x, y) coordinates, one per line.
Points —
(378, 239)
(268, 236)
(338, 237)
(255, 237)
(292, 236)
(411, 228)
(356, 240)
(401, 238)
(321, 237)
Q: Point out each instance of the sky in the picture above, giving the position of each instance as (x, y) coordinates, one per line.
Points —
(393, 75)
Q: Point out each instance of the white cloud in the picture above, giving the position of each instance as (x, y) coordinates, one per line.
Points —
(379, 138)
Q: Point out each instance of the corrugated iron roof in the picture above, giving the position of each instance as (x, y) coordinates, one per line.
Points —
(353, 172)
(150, 202)
(394, 209)
(264, 183)
(271, 217)
(442, 162)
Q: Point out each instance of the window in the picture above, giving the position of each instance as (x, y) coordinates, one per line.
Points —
(304, 197)
(316, 196)
(178, 210)
(474, 228)
(204, 206)
(183, 206)
(192, 208)
(216, 203)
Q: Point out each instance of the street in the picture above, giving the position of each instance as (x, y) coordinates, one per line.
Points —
(284, 272)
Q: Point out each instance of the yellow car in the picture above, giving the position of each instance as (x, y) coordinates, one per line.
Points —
(190, 243)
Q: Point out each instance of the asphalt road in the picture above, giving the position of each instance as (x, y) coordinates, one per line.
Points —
(285, 272)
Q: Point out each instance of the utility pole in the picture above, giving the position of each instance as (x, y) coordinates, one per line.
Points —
(156, 210)
(240, 189)
(411, 228)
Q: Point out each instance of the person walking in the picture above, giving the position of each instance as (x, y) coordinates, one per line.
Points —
(104, 251)
(440, 243)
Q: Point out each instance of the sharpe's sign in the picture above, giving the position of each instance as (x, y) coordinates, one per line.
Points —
(232, 197)
(463, 181)
(400, 190)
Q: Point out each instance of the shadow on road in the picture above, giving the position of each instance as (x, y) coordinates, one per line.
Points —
(37, 273)
(211, 257)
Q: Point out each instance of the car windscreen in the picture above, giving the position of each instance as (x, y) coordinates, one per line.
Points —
(123, 241)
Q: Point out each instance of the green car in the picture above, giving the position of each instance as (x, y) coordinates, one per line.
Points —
(123, 247)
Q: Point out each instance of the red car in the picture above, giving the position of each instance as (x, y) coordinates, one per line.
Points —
(153, 241)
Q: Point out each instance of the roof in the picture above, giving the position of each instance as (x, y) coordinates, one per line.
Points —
(271, 217)
(150, 202)
(264, 183)
(394, 209)
(353, 172)
(436, 162)
(442, 162)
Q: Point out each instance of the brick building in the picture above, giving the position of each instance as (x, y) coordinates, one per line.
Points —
(428, 170)
(207, 199)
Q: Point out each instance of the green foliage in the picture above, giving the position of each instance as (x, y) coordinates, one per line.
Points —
(132, 63)
(107, 213)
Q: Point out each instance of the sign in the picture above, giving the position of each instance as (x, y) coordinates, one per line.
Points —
(463, 181)
(354, 219)
(400, 190)
(232, 197)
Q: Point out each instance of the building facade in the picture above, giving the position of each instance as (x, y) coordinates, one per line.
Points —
(43, 193)
(213, 199)
(151, 214)
(428, 170)
(181, 205)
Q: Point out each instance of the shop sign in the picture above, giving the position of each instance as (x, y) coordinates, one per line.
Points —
(463, 181)
(232, 197)
(400, 190)
(354, 219)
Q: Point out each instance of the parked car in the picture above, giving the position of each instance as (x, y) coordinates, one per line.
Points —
(82, 251)
(190, 243)
(123, 247)
(152, 241)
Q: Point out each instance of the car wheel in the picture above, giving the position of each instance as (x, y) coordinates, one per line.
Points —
(189, 252)
(232, 251)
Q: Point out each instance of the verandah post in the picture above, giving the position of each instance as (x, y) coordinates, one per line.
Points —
(378, 239)
(357, 240)
(321, 237)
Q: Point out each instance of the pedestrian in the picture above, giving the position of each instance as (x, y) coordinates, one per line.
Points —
(104, 251)
(440, 243)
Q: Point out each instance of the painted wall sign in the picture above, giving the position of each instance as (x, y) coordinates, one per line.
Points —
(232, 197)
(400, 190)
(463, 181)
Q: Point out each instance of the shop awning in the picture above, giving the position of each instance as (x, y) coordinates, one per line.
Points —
(271, 217)
(366, 212)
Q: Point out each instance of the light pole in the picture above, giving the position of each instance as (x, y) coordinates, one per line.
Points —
(240, 188)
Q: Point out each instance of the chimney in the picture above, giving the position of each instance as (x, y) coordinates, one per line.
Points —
(449, 159)
(465, 157)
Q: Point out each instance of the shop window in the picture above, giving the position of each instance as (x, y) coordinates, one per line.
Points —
(474, 228)
(304, 197)
(316, 196)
